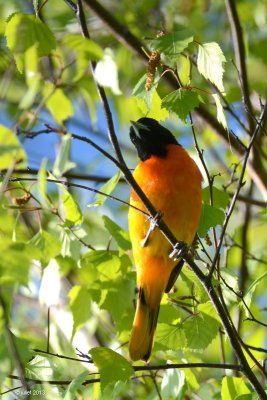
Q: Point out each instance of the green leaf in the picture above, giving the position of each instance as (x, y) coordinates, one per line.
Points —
(249, 293)
(80, 305)
(109, 265)
(119, 297)
(15, 262)
(171, 336)
(172, 43)
(247, 396)
(25, 30)
(210, 63)
(48, 245)
(119, 234)
(220, 198)
(181, 102)
(232, 281)
(62, 162)
(42, 185)
(73, 214)
(233, 387)
(140, 92)
(107, 188)
(173, 384)
(220, 111)
(85, 50)
(33, 77)
(100, 264)
(156, 110)
(200, 330)
(193, 284)
(11, 151)
(210, 218)
(111, 365)
(75, 385)
(57, 103)
(80, 44)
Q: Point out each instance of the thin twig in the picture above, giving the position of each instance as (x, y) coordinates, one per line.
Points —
(12, 346)
(239, 186)
(76, 185)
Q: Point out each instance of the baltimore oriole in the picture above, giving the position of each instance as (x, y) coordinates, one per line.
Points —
(172, 181)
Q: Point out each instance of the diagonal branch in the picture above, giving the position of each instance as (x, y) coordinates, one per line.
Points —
(205, 280)
(123, 35)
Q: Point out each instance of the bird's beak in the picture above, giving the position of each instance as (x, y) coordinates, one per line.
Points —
(137, 126)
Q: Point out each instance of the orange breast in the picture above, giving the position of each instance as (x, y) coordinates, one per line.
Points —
(173, 185)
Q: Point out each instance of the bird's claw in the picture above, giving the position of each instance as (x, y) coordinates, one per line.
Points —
(153, 224)
(179, 250)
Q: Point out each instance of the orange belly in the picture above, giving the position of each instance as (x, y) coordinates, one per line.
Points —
(173, 185)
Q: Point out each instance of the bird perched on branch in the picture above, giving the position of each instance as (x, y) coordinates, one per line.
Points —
(171, 180)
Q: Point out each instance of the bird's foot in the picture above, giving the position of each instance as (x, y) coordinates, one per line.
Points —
(179, 250)
(154, 221)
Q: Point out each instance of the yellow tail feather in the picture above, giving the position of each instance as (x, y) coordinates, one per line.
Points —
(143, 330)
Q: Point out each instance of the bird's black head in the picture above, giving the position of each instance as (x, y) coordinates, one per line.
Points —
(150, 138)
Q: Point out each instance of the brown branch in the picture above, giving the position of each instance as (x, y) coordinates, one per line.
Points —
(76, 185)
(123, 35)
(182, 253)
(240, 59)
(12, 345)
(239, 186)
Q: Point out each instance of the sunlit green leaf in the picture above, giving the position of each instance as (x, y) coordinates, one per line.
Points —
(210, 218)
(119, 297)
(220, 198)
(48, 245)
(210, 62)
(120, 235)
(81, 44)
(200, 330)
(172, 43)
(156, 109)
(15, 262)
(181, 102)
(25, 30)
(140, 92)
(33, 77)
(111, 365)
(172, 384)
(73, 214)
(42, 185)
(107, 188)
(57, 103)
(249, 293)
(233, 387)
(80, 305)
(11, 151)
(171, 336)
(62, 163)
(220, 111)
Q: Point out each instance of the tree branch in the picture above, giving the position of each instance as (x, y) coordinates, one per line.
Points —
(12, 345)
(123, 35)
(205, 280)
(239, 186)
(240, 59)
